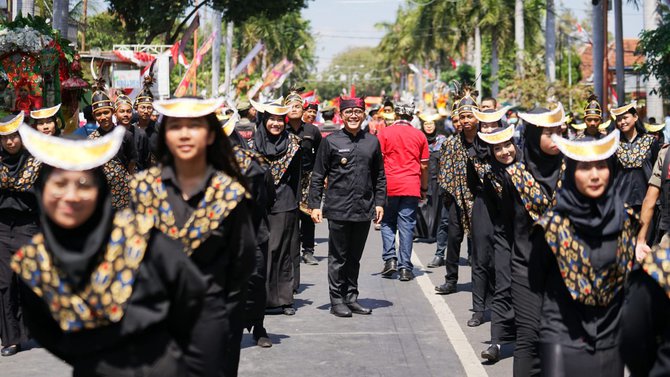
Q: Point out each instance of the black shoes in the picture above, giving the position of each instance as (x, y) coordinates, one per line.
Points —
(10, 350)
(406, 275)
(446, 289)
(390, 267)
(308, 258)
(492, 353)
(436, 262)
(261, 337)
(340, 310)
(476, 320)
(358, 308)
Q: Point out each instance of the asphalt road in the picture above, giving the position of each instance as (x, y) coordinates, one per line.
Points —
(411, 332)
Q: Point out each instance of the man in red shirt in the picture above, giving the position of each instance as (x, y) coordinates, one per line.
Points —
(405, 151)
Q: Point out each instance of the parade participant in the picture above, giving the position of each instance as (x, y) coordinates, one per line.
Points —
(636, 154)
(45, 120)
(123, 110)
(405, 153)
(503, 153)
(529, 189)
(328, 126)
(644, 324)
(310, 139)
(429, 213)
(482, 230)
(593, 117)
(147, 116)
(442, 237)
(488, 103)
(18, 223)
(282, 151)
(310, 111)
(656, 130)
(453, 180)
(256, 171)
(376, 122)
(351, 161)
(196, 196)
(102, 290)
(246, 126)
(583, 250)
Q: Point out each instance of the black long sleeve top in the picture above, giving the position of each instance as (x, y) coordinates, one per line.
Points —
(354, 167)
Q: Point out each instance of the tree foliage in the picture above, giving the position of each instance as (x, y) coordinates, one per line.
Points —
(103, 31)
(144, 21)
(655, 46)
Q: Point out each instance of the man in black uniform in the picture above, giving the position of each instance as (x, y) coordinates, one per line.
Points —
(328, 127)
(123, 110)
(352, 162)
(145, 108)
(246, 126)
(310, 139)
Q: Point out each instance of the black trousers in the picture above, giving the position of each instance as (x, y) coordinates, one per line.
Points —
(210, 339)
(306, 232)
(527, 308)
(455, 235)
(283, 264)
(559, 360)
(346, 242)
(14, 233)
(483, 273)
(503, 329)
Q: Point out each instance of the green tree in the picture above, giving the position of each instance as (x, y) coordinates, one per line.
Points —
(147, 20)
(654, 45)
(103, 32)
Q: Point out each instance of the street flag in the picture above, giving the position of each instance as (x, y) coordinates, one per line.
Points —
(247, 59)
(190, 73)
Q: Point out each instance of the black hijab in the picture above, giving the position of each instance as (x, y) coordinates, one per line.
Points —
(603, 216)
(77, 251)
(14, 162)
(270, 146)
(545, 168)
(431, 137)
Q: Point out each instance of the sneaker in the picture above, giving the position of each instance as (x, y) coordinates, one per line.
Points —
(308, 258)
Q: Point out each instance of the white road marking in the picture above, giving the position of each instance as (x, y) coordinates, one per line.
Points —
(466, 354)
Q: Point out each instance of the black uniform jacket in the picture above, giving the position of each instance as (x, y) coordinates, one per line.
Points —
(354, 168)
(310, 140)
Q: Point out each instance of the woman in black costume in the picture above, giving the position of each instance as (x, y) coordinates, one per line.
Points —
(529, 190)
(478, 165)
(46, 120)
(103, 291)
(18, 223)
(282, 151)
(197, 196)
(429, 214)
(503, 153)
(583, 250)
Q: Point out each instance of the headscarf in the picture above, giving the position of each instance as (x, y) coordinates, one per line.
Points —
(545, 168)
(270, 146)
(603, 216)
(14, 162)
(76, 251)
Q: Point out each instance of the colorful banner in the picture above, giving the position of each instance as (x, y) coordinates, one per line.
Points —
(275, 76)
(247, 59)
(192, 69)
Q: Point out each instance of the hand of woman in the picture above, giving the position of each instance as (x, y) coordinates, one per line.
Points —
(641, 251)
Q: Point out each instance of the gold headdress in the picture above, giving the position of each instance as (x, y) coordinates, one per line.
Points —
(68, 154)
(616, 111)
(593, 108)
(589, 150)
(498, 136)
(12, 125)
(553, 118)
(654, 127)
(294, 96)
(490, 116)
(275, 107)
(45, 113)
(188, 107)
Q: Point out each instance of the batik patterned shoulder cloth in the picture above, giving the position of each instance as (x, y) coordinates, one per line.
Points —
(585, 284)
(657, 265)
(117, 177)
(279, 166)
(530, 192)
(632, 155)
(103, 300)
(245, 157)
(23, 181)
(453, 179)
(221, 197)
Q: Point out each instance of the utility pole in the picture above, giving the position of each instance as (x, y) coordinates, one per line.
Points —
(60, 13)
(229, 58)
(618, 42)
(651, 21)
(598, 50)
(478, 62)
(216, 52)
(83, 19)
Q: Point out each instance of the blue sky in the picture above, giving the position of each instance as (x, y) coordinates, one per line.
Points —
(340, 24)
